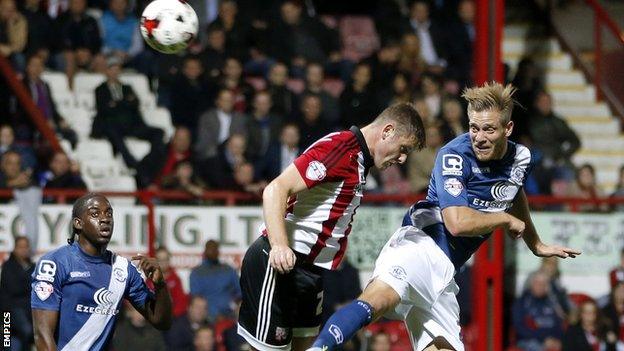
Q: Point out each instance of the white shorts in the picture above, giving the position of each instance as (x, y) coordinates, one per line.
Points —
(417, 269)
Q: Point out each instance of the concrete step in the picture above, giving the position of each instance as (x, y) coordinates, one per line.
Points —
(522, 45)
(587, 119)
(564, 78)
(590, 129)
(599, 160)
(605, 143)
(571, 108)
(576, 93)
(560, 61)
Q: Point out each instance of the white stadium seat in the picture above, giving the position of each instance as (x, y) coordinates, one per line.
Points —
(86, 100)
(138, 148)
(161, 118)
(87, 82)
(138, 82)
(91, 149)
(57, 81)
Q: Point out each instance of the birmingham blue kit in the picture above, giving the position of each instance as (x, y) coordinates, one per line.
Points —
(88, 292)
(459, 179)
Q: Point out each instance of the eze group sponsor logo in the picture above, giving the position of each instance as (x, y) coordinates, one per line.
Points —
(504, 191)
(104, 297)
(105, 300)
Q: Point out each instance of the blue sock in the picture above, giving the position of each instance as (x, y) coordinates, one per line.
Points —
(343, 324)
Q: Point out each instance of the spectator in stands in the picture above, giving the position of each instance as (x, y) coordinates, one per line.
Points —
(14, 33)
(314, 78)
(190, 94)
(380, 342)
(13, 176)
(421, 106)
(395, 331)
(283, 99)
(311, 126)
(454, 121)
(537, 323)
(179, 149)
(432, 36)
(218, 171)
(204, 339)
(420, 164)
(41, 34)
(401, 91)
(616, 275)
(619, 189)
(280, 154)
(555, 140)
(384, 65)
(556, 292)
(179, 298)
(121, 36)
(244, 179)
(614, 310)
(342, 286)
(264, 127)
(592, 332)
(411, 62)
(358, 102)
(41, 95)
(15, 293)
(232, 79)
(118, 117)
(236, 31)
(431, 87)
(63, 173)
(79, 40)
(585, 187)
(134, 333)
(216, 125)
(529, 83)
(213, 56)
(461, 36)
(8, 143)
(217, 282)
(180, 336)
(183, 178)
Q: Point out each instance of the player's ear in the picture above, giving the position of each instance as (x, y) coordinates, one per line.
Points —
(77, 223)
(388, 131)
(509, 128)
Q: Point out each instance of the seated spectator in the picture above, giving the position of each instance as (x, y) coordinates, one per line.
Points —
(204, 339)
(12, 175)
(213, 56)
(180, 336)
(216, 125)
(453, 119)
(190, 94)
(585, 187)
(179, 149)
(314, 78)
(614, 310)
(358, 103)
(7, 143)
(401, 91)
(183, 178)
(216, 282)
(619, 189)
(431, 87)
(219, 170)
(118, 117)
(557, 293)
(236, 30)
(121, 36)
(134, 333)
(311, 126)
(538, 324)
(342, 286)
(244, 179)
(41, 34)
(592, 332)
(14, 29)
(15, 293)
(41, 95)
(556, 141)
(280, 154)
(420, 164)
(232, 79)
(179, 298)
(264, 127)
(431, 34)
(79, 39)
(283, 99)
(411, 62)
(63, 173)
(528, 81)
(421, 106)
(616, 275)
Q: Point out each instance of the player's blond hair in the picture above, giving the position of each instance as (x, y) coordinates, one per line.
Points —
(491, 96)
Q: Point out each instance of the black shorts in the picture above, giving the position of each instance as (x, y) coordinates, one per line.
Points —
(275, 307)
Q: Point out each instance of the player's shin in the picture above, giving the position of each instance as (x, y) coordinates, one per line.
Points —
(343, 324)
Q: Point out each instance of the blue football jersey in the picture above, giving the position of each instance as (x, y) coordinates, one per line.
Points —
(88, 292)
(459, 179)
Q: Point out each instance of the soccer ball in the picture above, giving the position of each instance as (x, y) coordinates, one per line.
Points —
(169, 26)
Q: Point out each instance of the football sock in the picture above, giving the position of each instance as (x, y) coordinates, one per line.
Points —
(343, 324)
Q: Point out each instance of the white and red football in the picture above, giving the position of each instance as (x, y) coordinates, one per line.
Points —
(169, 26)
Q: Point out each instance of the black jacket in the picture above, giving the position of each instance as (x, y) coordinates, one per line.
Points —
(15, 285)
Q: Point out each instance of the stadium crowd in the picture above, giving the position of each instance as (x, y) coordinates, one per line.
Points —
(262, 82)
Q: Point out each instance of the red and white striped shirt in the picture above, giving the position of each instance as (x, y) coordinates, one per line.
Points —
(318, 219)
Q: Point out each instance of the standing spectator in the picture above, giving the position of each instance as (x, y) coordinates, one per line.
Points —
(213, 56)
(179, 149)
(79, 38)
(15, 293)
(236, 31)
(41, 34)
(616, 275)
(120, 33)
(183, 178)
(315, 76)
(41, 95)
(264, 127)
(411, 62)
(280, 154)
(216, 125)
(189, 94)
(13, 33)
(311, 126)
(216, 282)
(614, 310)
(134, 333)
(459, 49)
(431, 34)
(453, 120)
(174, 284)
(592, 332)
(537, 323)
(118, 117)
(63, 173)
(421, 163)
(204, 339)
(358, 103)
(180, 336)
(283, 99)
(218, 171)
(232, 80)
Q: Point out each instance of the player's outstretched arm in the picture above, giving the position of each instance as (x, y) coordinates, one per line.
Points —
(464, 221)
(157, 311)
(532, 240)
(274, 199)
(44, 325)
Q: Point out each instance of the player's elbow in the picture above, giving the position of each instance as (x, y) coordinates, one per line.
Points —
(454, 228)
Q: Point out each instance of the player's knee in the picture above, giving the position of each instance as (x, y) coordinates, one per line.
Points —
(381, 297)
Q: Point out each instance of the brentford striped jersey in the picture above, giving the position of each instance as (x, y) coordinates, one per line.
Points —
(334, 169)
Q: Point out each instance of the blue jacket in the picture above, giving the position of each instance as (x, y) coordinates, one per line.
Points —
(218, 284)
(536, 318)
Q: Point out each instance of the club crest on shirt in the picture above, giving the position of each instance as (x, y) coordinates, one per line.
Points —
(120, 275)
(453, 186)
(398, 272)
(316, 171)
(43, 290)
(517, 175)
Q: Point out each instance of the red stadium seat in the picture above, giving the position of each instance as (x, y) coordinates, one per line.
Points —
(579, 298)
